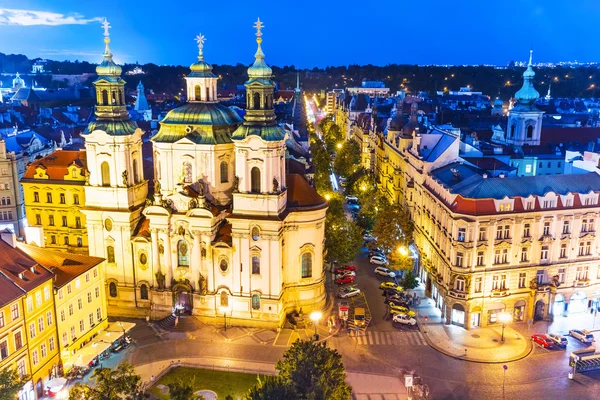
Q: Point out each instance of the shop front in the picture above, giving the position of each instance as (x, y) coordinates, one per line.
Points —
(476, 317)
(559, 307)
(458, 315)
(519, 311)
(494, 310)
(578, 303)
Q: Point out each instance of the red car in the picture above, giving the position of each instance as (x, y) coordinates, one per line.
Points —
(542, 340)
(341, 270)
(342, 280)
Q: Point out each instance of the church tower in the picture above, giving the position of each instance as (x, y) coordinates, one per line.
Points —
(259, 145)
(115, 190)
(525, 119)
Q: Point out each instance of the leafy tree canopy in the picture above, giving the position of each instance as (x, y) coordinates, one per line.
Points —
(393, 228)
(10, 383)
(347, 160)
(111, 384)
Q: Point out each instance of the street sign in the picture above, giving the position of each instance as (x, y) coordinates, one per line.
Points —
(408, 381)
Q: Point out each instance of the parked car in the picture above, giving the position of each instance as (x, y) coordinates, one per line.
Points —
(394, 309)
(347, 273)
(392, 292)
(352, 199)
(542, 340)
(390, 285)
(359, 317)
(376, 252)
(404, 319)
(559, 340)
(343, 280)
(383, 271)
(345, 268)
(350, 291)
(395, 301)
(377, 260)
(582, 335)
(368, 237)
(396, 298)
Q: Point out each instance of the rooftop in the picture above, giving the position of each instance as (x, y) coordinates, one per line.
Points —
(57, 163)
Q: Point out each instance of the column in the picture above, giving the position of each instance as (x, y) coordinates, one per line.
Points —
(168, 259)
(196, 261)
(155, 255)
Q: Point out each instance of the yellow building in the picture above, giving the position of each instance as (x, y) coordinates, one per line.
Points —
(54, 195)
(80, 299)
(31, 315)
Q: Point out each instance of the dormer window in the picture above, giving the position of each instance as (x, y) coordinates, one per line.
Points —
(505, 207)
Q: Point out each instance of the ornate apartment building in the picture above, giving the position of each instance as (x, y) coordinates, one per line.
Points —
(523, 245)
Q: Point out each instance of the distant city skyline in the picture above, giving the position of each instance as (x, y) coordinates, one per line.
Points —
(299, 34)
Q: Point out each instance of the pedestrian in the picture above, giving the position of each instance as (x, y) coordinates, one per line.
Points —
(152, 379)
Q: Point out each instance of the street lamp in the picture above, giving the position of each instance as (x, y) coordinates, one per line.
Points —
(315, 316)
(339, 146)
(327, 197)
(504, 318)
(224, 310)
(403, 251)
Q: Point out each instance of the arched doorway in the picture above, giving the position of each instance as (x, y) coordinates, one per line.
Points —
(578, 303)
(39, 387)
(458, 315)
(182, 298)
(540, 308)
(559, 305)
(519, 311)
(475, 317)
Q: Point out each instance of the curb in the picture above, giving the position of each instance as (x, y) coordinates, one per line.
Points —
(475, 360)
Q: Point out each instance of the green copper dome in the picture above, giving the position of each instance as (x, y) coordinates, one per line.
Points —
(201, 69)
(259, 69)
(527, 95)
(108, 68)
(202, 123)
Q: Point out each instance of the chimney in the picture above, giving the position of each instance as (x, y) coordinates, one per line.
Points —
(9, 237)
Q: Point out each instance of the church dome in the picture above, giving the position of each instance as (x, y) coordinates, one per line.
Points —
(201, 69)
(527, 95)
(108, 68)
(203, 123)
(498, 103)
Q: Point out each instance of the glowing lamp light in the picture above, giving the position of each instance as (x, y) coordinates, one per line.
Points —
(327, 197)
(315, 316)
(339, 145)
(403, 251)
(504, 317)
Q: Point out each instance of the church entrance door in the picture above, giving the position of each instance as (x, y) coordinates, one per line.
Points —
(182, 299)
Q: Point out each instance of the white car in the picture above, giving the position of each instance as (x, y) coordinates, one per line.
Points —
(404, 319)
(352, 199)
(560, 340)
(350, 291)
(383, 271)
(378, 260)
(582, 335)
(347, 273)
(368, 237)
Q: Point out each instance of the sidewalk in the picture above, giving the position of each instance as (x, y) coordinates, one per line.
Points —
(482, 345)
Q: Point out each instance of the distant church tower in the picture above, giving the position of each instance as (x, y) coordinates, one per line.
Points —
(141, 103)
(115, 190)
(525, 120)
(260, 145)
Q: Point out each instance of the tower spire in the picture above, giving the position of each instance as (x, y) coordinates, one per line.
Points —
(258, 25)
(106, 26)
(200, 39)
(530, 57)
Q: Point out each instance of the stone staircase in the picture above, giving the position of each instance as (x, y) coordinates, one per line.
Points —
(187, 323)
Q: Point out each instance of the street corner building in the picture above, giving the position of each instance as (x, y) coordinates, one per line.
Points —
(490, 241)
(225, 230)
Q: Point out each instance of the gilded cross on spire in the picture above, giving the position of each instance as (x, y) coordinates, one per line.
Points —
(200, 39)
(258, 25)
(106, 26)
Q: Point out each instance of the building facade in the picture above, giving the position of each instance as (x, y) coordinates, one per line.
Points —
(54, 194)
(228, 231)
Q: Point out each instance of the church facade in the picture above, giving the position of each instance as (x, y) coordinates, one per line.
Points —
(226, 231)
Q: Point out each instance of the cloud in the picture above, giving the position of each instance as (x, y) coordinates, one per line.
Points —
(10, 16)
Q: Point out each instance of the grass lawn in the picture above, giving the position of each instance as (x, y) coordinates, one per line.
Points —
(223, 383)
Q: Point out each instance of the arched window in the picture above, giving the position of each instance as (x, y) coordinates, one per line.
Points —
(224, 299)
(197, 93)
(104, 98)
(255, 233)
(255, 265)
(306, 265)
(255, 301)
(135, 171)
(530, 132)
(223, 265)
(114, 97)
(187, 172)
(255, 180)
(269, 101)
(112, 289)
(512, 131)
(122, 97)
(183, 253)
(105, 171)
(256, 101)
(144, 292)
(207, 94)
(110, 254)
(224, 172)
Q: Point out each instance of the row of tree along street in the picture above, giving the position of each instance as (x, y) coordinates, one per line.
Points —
(389, 223)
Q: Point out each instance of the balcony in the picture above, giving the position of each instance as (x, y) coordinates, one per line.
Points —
(457, 294)
(582, 282)
(499, 293)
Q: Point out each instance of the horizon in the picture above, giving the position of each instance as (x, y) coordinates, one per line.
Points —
(491, 34)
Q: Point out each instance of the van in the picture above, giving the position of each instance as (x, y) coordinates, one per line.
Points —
(359, 317)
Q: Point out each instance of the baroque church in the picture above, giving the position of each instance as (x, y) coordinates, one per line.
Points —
(227, 230)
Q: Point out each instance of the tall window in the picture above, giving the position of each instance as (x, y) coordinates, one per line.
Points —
(306, 265)
(530, 132)
(459, 259)
(478, 284)
(255, 180)
(197, 93)
(224, 172)
(566, 227)
(224, 299)
(524, 254)
(480, 258)
(136, 177)
(62, 198)
(105, 171)
(546, 228)
(544, 253)
(482, 234)
(526, 230)
(187, 172)
(461, 234)
(183, 253)
(563, 250)
(104, 98)
(110, 254)
(256, 101)
(495, 282)
(459, 285)
(522, 279)
(255, 265)
(144, 292)
(112, 289)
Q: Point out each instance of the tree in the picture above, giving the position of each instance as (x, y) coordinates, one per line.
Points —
(347, 160)
(181, 390)
(314, 371)
(393, 228)
(343, 238)
(10, 383)
(321, 165)
(111, 384)
(409, 281)
(271, 388)
(333, 136)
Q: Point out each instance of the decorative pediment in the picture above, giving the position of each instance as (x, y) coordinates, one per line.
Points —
(546, 239)
(587, 235)
(41, 172)
(503, 245)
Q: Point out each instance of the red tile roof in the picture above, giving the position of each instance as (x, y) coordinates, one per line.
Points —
(56, 164)
(65, 266)
(21, 269)
(301, 195)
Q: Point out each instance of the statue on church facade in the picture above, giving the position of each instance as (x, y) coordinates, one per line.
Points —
(236, 184)
(156, 187)
(160, 280)
(202, 285)
(275, 185)
(124, 175)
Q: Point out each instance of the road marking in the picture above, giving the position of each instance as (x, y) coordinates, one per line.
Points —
(372, 338)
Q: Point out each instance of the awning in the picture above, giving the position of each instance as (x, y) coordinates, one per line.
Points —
(83, 359)
(120, 326)
(99, 347)
(91, 350)
(108, 337)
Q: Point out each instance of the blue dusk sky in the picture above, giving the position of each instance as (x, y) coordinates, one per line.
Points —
(306, 33)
